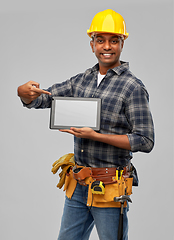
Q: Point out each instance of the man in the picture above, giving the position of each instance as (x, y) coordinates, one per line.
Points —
(126, 127)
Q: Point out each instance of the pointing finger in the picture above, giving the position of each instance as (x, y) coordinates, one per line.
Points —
(40, 91)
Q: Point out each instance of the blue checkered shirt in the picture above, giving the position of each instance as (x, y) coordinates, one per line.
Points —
(125, 111)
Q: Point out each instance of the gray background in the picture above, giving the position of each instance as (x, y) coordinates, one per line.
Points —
(46, 41)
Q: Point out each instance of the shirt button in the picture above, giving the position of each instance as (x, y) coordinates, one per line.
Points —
(82, 150)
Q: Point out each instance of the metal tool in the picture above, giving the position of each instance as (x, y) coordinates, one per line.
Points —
(116, 174)
(119, 173)
(121, 199)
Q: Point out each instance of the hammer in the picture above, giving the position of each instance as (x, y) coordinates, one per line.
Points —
(121, 199)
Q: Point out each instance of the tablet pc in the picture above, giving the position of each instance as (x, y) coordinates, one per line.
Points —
(79, 112)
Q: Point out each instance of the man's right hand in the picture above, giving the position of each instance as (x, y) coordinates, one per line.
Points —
(30, 91)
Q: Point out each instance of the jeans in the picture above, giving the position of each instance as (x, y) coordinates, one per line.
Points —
(78, 219)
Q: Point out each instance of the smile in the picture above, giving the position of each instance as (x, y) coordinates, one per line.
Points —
(107, 54)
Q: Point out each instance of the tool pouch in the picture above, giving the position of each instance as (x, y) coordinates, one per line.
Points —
(134, 175)
(129, 184)
(70, 184)
(81, 173)
(121, 187)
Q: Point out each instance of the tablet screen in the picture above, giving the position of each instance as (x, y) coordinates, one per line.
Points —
(69, 112)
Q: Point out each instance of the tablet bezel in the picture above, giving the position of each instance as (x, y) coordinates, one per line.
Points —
(53, 125)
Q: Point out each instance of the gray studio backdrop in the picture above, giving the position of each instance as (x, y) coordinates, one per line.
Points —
(46, 41)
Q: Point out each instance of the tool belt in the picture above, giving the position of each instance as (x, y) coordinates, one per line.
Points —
(113, 187)
(104, 184)
(106, 175)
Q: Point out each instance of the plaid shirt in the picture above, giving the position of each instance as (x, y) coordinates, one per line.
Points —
(125, 110)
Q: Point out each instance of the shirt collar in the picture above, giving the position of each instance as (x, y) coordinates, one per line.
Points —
(122, 68)
(118, 70)
(95, 68)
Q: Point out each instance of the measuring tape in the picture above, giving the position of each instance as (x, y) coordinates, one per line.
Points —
(98, 187)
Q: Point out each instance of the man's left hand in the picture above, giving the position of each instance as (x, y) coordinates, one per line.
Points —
(80, 132)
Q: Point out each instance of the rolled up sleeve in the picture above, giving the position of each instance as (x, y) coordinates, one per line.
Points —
(37, 103)
(138, 113)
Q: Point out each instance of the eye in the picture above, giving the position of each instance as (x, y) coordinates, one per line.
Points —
(99, 40)
(115, 41)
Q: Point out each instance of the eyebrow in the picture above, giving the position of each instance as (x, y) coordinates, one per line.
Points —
(100, 36)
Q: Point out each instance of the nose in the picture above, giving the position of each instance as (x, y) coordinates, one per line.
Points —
(107, 45)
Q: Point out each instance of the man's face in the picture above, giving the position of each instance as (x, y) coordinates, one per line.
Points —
(107, 48)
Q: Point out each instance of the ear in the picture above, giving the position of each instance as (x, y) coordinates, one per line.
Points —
(92, 45)
(122, 44)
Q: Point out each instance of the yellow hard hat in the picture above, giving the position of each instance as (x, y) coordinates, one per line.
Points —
(108, 21)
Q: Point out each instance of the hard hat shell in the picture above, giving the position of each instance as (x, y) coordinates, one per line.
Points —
(108, 21)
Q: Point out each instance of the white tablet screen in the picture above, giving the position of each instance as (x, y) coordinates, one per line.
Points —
(75, 112)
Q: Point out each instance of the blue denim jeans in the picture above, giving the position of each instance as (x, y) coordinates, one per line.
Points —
(78, 219)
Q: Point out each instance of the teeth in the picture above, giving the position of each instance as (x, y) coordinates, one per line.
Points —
(107, 54)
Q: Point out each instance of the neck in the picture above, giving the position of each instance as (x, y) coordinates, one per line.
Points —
(103, 69)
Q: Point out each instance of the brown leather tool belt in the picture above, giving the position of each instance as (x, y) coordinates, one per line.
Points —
(105, 175)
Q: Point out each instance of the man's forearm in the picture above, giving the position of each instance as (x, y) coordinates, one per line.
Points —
(120, 141)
